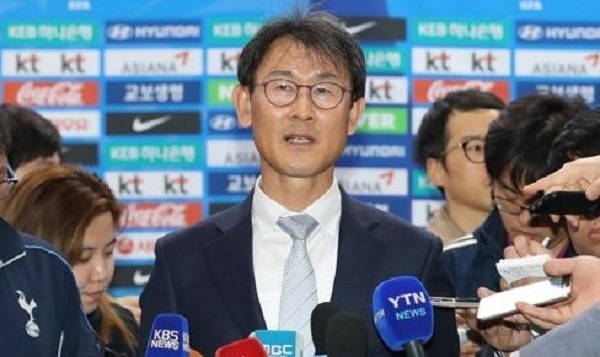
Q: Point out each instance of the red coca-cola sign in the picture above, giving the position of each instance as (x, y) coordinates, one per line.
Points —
(428, 91)
(52, 94)
(161, 215)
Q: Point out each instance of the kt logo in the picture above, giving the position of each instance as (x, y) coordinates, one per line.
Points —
(438, 62)
(229, 62)
(380, 90)
(175, 185)
(72, 64)
(27, 64)
(130, 186)
(482, 63)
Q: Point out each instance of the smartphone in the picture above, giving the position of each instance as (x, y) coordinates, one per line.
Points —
(454, 302)
(541, 293)
(566, 203)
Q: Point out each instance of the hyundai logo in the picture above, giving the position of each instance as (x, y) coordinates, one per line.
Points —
(222, 122)
(119, 32)
(531, 32)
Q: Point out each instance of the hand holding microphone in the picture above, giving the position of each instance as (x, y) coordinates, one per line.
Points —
(403, 315)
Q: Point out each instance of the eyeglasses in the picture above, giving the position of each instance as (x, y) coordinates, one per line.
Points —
(282, 92)
(7, 181)
(508, 206)
(472, 147)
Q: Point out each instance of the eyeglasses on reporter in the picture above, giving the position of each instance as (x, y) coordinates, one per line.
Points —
(473, 148)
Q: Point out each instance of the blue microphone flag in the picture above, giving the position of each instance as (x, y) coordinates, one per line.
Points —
(169, 337)
(402, 312)
(280, 342)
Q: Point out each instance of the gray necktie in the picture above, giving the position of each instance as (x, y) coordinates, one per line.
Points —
(299, 288)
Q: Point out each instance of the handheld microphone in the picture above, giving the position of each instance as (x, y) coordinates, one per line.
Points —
(346, 336)
(169, 337)
(319, 318)
(280, 342)
(248, 347)
(403, 314)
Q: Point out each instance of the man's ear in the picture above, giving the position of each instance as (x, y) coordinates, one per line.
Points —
(356, 112)
(436, 172)
(240, 96)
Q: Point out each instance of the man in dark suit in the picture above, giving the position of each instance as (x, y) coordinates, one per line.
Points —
(302, 84)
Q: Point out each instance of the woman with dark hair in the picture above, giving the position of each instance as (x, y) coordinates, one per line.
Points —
(78, 213)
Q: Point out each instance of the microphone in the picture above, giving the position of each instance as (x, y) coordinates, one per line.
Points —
(403, 314)
(248, 347)
(346, 336)
(319, 318)
(280, 342)
(169, 337)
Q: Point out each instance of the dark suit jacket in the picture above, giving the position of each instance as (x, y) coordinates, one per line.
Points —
(205, 273)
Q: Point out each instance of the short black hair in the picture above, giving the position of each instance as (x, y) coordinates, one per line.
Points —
(521, 138)
(5, 139)
(33, 136)
(432, 137)
(317, 31)
(579, 138)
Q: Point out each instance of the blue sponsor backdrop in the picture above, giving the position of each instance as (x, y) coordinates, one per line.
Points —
(390, 29)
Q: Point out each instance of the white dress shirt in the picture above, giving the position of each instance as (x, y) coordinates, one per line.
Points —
(271, 247)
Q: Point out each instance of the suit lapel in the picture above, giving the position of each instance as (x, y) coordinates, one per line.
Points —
(354, 281)
(229, 257)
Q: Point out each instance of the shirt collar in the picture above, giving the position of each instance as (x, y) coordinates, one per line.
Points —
(326, 209)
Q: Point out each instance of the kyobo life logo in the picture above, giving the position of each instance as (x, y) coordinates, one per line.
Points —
(385, 60)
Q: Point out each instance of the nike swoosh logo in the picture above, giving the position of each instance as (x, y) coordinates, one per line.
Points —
(353, 30)
(141, 126)
(140, 279)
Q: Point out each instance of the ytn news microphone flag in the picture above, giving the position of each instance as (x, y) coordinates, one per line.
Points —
(403, 314)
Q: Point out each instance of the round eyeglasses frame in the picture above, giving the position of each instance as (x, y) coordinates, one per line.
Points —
(270, 86)
(466, 145)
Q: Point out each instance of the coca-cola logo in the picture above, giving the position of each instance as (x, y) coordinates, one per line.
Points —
(125, 245)
(136, 245)
(428, 91)
(52, 94)
(161, 215)
(439, 89)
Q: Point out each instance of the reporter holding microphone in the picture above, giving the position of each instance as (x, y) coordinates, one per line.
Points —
(298, 239)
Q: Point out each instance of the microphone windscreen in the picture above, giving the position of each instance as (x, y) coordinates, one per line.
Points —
(280, 342)
(346, 336)
(248, 347)
(402, 312)
(169, 337)
(319, 318)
